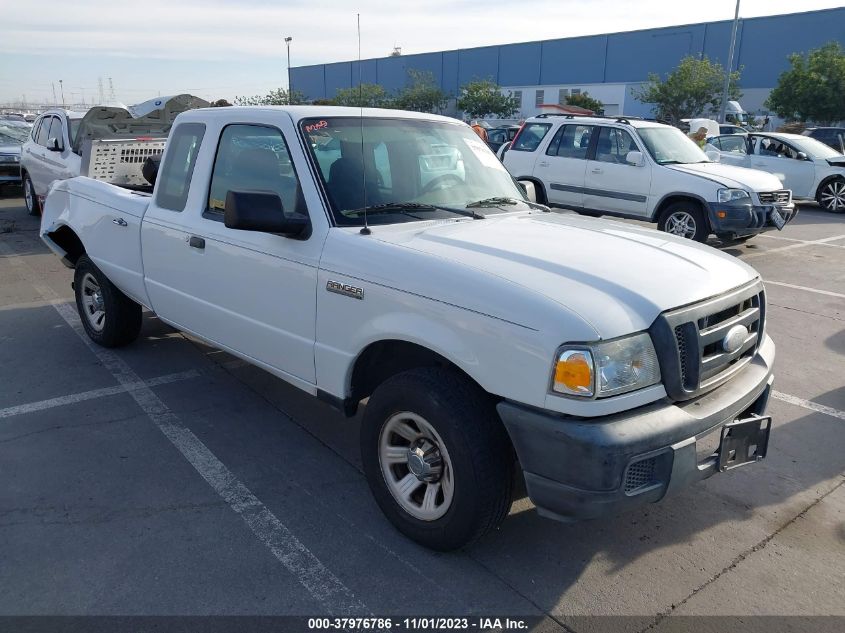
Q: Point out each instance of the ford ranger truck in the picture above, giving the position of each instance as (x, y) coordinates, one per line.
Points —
(388, 256)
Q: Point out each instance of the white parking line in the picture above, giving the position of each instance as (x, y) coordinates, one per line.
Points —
(322, 584)
(805, 288)
(798, 244)
(809, 404)
(82, 396)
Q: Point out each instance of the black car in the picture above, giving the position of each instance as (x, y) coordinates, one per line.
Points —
(833, 136)
(498, 136)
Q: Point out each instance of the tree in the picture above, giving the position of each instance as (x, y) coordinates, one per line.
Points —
(693, 88)
(362, 96)
(584, 100)
(480, 98)
(279, 96)
(813, 89)
(422, 94)
(220, 103)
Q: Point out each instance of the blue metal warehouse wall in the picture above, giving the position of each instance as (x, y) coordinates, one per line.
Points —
(763, 45)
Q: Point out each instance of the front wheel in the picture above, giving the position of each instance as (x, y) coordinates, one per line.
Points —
(831, 196)
(29, 197)
(110, 318)
(684, 219)
(437, 458)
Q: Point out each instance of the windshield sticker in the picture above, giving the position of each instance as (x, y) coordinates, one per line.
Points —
(483, 153)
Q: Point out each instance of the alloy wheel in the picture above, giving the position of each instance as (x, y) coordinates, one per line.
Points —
(416, 466)
(681, 223)
(833, 196)
(93, 303)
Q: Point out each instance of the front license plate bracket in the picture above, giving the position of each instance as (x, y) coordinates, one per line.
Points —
(777, 219)
(744, 442)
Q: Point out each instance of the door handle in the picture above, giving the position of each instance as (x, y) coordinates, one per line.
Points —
(597, 170)
(196, 242)
(543, 164)
(119, 222)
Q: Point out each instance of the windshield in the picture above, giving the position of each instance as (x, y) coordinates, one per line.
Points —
(405, 169)
(670, 146)
(815, 149)
(13, 133)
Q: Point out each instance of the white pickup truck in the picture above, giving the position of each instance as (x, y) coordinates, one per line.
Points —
(388, 255)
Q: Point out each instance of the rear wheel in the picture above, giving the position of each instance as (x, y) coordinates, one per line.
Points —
(110, 318)
(831, 195)
(684, 219)
(437, 458)
(29, 197)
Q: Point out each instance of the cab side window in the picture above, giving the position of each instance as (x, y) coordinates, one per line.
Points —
(613, 145)
(44, 131)
(174, 179)
(571, 141)
(254, 158)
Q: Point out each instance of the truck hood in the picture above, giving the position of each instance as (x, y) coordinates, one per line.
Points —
(8, 148)
(732, 176)
(150, 118)
(617, 277)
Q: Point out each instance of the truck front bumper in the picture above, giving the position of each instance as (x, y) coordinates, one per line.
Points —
(583, 468)
(730, 221)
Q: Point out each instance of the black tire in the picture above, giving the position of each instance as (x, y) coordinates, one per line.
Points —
(690, 214)
(29, 197)
(478, 447)
(121, 320)
(831, 195)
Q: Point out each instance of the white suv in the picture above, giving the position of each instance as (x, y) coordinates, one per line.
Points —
(643, 170)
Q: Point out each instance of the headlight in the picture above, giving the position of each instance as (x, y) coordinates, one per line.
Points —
(732, 195)
(606, 369)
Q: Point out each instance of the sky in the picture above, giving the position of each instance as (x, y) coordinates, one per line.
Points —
(228, 48)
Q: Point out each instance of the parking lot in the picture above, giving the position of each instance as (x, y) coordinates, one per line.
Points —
(170, 478)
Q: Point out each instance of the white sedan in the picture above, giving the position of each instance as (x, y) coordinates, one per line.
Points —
(811, 169)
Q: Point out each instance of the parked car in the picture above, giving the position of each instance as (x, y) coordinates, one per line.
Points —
(731, 129)
(486, 331)
(811, 169)
(60, 137)
(13, 133)
(644, 170)
(832, 136)
(498, 136)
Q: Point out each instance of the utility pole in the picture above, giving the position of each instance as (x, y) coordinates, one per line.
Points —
(100, 87)
(55, 101)
(728, 68)
(288, 40)
(62, 87)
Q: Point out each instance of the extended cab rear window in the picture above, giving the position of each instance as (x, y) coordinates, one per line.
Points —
(530, 137)
(174, 180)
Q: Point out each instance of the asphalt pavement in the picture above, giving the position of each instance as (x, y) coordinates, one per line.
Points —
(169, 478)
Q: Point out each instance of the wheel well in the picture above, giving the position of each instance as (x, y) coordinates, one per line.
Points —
(383, 359)
(670, 200)
(68, 241)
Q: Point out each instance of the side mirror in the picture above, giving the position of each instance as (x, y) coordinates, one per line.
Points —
(54, 145)
(713, 156)
(801, 156)
(262, 211)
(635, 158)
(150, 168)
(529, 188)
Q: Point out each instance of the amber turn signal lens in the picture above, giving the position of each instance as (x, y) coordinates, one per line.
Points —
(574, 373)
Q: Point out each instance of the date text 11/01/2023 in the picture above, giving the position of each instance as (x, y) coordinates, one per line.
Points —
(418, 623)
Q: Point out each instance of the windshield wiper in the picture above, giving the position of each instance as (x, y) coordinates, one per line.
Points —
(403, 207)
(491, 202)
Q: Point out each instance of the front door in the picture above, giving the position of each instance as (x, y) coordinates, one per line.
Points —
(781, 159)
(247, 291)
(612, 183)
(563, 164)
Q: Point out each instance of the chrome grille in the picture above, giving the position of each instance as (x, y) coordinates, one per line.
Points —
(782, 196)
(691, 341)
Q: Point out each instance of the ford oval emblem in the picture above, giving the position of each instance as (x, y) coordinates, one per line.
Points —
(158, 103)
(734, 338)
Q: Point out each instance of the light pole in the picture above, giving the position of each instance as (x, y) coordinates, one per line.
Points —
(288, 40)
(724, 107)
(62, 88)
